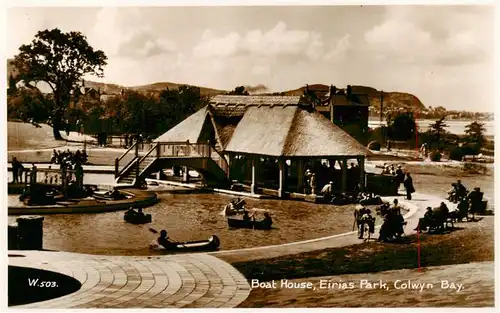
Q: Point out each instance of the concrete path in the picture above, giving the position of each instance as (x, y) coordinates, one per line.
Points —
(416, 208)
(173, 281)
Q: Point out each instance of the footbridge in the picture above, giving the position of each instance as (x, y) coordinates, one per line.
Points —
(142, 159)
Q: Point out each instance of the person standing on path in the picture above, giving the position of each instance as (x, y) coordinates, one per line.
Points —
(15, 170)
(408, 184)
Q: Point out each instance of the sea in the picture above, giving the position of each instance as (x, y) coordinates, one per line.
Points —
(454, 126)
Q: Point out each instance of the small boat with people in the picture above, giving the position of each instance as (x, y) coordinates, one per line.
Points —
(136, 217)
(164, 243)
(247, 221)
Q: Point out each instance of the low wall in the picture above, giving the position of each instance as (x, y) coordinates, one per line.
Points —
(140, 199)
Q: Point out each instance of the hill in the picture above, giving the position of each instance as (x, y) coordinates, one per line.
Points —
(392, 100)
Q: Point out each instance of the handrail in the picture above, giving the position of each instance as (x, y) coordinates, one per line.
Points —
(145, 156)
(125, 167)
(126, 152)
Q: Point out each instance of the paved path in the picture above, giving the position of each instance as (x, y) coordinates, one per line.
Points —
(416, 206)
(173, 281)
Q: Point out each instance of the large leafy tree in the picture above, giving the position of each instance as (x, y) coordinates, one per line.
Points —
(61, 60)
(402, 126)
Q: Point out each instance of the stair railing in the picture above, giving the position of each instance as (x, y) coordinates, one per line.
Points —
(119, 171)
(153, 148)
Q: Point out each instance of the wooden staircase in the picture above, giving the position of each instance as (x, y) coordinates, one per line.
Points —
(200, 157)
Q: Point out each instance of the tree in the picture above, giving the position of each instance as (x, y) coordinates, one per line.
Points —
(436, 131)
(239, 91)
(29, 105)
(475, 133)
(402, 126)
(60, 60)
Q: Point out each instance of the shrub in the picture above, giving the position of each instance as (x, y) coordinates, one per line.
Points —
(457, 154)
(435, 156)
(474, 168)
(374, 145)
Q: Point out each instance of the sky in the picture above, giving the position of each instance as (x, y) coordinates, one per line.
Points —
(442, 54)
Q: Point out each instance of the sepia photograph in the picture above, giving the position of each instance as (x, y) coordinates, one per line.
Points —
(250, 156)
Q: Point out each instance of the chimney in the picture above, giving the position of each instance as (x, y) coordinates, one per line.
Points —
(349, 92)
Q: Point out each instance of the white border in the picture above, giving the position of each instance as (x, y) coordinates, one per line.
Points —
(100, 3)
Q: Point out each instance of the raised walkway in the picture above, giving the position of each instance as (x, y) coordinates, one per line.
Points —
(173, 281)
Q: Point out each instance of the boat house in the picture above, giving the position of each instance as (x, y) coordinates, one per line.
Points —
(273, 144)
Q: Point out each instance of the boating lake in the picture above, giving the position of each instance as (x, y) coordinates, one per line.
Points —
(190, 217)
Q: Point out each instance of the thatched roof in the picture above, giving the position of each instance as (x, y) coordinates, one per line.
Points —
(312, 134)
(268, 125)
(291, 132)
(189, 129)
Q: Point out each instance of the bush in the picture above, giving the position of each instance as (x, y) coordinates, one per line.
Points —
(473, 168)
(457, 154)
(374, 145)
(435, 156)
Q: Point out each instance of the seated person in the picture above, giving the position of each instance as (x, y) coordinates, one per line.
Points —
(463, 209)
(267, 221)
(476, 198)
(460, 190)
(140, 213)
(246, 217)
(164, 241)
(426, 221)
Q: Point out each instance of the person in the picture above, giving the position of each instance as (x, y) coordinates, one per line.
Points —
(15, 170)
(475, 198)
(246, 217)
(164, 241)
(326, 191)
(79, 175)
(400, 176)
(425, 221)
(54, 157)
(452, 193)
(268, 221)
(365, 218)
(33, 174)
(393, 169)
(463, 209)
(408, 184)
(307, 181)
(460, 190)
(313, 184)
(139, 212)
(399, 221)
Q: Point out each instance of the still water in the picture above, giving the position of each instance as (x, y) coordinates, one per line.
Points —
(192, 217)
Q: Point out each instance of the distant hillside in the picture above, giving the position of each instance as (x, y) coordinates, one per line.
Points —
(391, 99)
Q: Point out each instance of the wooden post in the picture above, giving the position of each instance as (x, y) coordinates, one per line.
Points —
(300, 176)
(157, 150)
(116, 167)
(282, 178)
(185, 174)
(344, 175)
(361, 165)
(254, 175)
